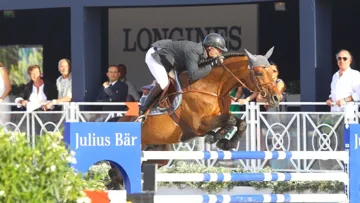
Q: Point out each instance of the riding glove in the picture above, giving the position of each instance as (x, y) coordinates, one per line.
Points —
(217, 61)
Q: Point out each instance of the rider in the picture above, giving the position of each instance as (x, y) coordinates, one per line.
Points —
(164, 55)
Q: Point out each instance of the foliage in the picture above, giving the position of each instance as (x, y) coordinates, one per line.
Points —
(42, 173)
(17, 60)
(214, 187)
(99, 172)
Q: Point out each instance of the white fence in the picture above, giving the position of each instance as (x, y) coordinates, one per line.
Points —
(267, 131)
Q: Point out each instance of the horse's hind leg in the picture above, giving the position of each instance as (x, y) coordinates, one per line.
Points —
(226, 144)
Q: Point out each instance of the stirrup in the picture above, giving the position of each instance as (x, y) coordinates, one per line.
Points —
(140, 118)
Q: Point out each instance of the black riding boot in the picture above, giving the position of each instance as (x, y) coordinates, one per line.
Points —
(151, 97)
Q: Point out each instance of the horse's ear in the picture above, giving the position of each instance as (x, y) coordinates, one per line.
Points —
(269, 53)
(251, 57)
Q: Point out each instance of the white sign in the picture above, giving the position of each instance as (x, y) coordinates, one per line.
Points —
(133, 30)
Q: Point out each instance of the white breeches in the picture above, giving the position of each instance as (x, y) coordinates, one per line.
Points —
(156, 69)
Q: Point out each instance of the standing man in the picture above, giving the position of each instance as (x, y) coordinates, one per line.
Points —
(345, 84)
(345, 87)
(63, 84)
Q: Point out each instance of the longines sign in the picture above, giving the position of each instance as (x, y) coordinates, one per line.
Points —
(143, 38)
(133, 30)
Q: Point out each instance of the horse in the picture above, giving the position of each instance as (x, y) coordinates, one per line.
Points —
(187, 110)
(205, 103)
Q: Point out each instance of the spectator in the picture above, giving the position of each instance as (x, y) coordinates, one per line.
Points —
(133, 95)
(5, 85)
(36, 92)
(245, 93)
(5, 88)
(63, 84)
(345, 84)
(113, 90)
(345, 87)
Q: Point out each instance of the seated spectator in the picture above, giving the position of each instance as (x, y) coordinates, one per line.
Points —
(5, 85)
(37, 92)
(133, 95)
(63, 84)
(113, 90)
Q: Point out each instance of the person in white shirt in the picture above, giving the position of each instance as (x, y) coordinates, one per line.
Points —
(345, 87)
(5, 88)
(345, 84)
(36, 92)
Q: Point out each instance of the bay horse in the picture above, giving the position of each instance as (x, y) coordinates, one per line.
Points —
(205, 104)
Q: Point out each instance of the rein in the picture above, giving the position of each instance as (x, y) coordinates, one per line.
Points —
(262, 91)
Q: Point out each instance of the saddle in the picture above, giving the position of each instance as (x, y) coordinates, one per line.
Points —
(170, 99)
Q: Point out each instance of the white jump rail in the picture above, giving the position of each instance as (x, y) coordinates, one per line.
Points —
(237, 177)
(250, 198)
(231, 155)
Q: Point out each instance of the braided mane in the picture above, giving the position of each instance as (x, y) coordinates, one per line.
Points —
(233, 54)
(226, 55)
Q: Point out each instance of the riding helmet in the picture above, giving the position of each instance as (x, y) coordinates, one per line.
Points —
(215, 40)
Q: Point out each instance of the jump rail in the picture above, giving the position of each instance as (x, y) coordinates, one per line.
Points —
(231, 155)
(238, 177)
(250, 198)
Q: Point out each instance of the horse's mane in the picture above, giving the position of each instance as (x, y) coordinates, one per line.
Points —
(226, 55)
(233, 54)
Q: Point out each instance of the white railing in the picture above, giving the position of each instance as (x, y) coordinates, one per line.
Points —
(267, 131)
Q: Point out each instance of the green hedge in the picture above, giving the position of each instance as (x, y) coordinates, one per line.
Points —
(40, 174)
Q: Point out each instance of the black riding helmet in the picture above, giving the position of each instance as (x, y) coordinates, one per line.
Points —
(215, 40)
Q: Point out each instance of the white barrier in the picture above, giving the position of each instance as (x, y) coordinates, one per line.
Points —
(225, 177)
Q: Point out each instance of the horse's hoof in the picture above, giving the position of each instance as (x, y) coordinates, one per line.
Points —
(210, 138)
(242, 126)
(226, 145)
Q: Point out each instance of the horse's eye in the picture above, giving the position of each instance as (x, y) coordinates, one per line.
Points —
(259, 74)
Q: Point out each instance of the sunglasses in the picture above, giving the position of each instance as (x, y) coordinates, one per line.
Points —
(343, 58)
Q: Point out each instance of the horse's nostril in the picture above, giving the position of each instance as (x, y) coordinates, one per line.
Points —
(275, 98)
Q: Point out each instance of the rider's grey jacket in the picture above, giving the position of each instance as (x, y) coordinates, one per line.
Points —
(183, 56)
